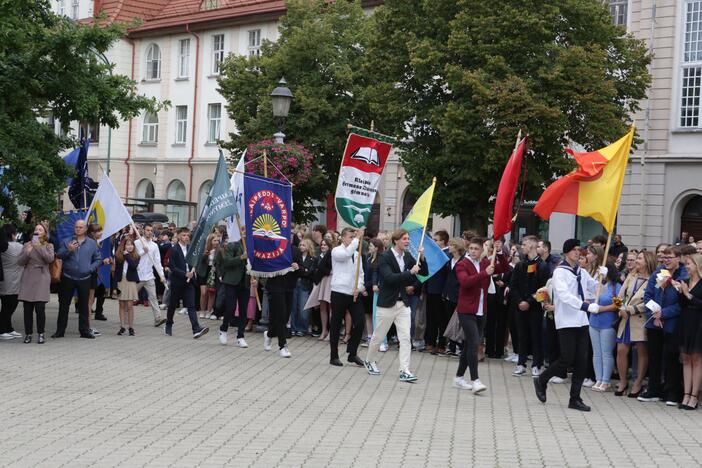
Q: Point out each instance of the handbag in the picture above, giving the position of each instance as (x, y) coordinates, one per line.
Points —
(55, 270)
(454, 332)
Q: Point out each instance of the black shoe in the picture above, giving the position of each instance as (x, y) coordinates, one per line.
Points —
(540, 390)
(200, 332)
(621, 392)
(27, 338)
(89, 336)
(634, 395)
(336, 362)
(168, 331)
(100, 317)
(121, 331)
(40, 338)
(578, 405)
(57, 335)
(131, 332)
(356, 360)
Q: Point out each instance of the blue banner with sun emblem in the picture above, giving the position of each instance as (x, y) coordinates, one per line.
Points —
(268, 205)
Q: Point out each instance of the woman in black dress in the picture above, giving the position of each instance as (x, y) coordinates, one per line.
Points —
(689, 330)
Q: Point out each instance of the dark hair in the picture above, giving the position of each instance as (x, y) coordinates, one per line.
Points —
(688, 249)
(600, 240)
(398, 234)
(94, 227)
(547, 244)
(144, 226)
(378, 245)
(612, 273)
(321, 228)
(443, 235)
(469, 234)
(183, 229)
(10, 230)
(477, 241)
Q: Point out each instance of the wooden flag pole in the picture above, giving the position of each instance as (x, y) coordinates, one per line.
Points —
(604, 264)
(494, 250)
(265, 163)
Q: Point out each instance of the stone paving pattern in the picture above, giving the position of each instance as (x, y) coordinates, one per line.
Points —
(151, 400)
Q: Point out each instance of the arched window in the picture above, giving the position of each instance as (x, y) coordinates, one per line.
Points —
(202, 194)
(150, 128)
(145, 189)
(176, 213)
(691, 221)
(153, 62)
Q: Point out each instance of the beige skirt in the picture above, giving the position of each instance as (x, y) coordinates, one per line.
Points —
(320, 292)
(127, 290)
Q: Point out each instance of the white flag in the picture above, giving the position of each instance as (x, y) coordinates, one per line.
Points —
(107, 209)
(237, 186)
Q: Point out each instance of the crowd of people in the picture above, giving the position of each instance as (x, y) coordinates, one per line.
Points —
(602, 316)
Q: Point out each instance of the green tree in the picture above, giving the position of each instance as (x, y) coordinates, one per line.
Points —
(50, 65)
(458, 78)
(320, 53)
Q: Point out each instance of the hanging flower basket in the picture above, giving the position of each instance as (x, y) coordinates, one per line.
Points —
(293, 160)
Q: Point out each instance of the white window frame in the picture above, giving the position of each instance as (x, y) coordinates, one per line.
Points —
(217, 52)
(75, 9)
(214, 123)
(690, 100)
(254, 41)
(61, 7)
(150, 133)
(617, 9)
(181, 118)
(153, 62)
(183, 58)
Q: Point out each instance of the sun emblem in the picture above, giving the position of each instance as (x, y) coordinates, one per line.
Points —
(266, 223)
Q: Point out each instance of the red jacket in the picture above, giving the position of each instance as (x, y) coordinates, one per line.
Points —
(472, 284)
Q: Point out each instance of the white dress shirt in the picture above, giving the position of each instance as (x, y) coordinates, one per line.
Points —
(566, 299)
(400, 258)
(344, 269)
(476, 264)
(148, 260)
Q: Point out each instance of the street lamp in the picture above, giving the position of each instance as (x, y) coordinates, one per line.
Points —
(281, 98)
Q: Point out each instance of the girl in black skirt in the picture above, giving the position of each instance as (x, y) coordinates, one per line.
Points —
(689, 330)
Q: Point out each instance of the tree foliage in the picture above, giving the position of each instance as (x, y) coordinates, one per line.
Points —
(458, 78)
(51, 65)
(320, 53)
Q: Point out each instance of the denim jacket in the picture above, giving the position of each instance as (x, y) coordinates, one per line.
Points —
(82, 262)
(666, 297)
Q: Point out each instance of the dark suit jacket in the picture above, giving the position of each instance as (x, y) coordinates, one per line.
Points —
(392, 281)
(178, 267)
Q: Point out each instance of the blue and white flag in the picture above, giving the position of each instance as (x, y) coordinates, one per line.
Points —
(433, 255)
(268, 225)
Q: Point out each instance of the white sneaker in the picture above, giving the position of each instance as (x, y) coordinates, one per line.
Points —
(223, 337)
(383, 347)
(478, 386)
(535, 372)
(519, 371)
(512, 358)
(15, 334)
(163, 306)
(214, 317)
(183, 311)
(242, 343)
(285, 352)
(460, 382)
(588, 383)
(556, 380)
(6, 336)
(201, 314)
(266, 342)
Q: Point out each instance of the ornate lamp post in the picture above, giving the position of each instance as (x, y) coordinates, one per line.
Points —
(281, 98)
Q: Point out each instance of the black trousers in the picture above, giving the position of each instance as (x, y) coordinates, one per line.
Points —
(340, 303)
(512, 319)
(66, 288)
(279, 307)
(9, 305)
(574, 345)
(187, 295)
(437, 320)
(239, 295)
(100, 294)
(495, 326)
(663, 362)
(29, 309)
(473, 330)
(551, 338)
(531, 331)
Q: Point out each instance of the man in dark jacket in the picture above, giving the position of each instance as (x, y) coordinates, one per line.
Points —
(528, 276)
(81, 258)
(437, 318)
(230, 264)
(397, 271)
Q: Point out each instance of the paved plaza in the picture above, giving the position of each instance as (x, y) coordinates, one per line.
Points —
(151, 400)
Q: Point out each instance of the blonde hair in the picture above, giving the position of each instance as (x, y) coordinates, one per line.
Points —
(697, 260)
(310, 246)
(210, 238)
(458, 244)
(45, 238)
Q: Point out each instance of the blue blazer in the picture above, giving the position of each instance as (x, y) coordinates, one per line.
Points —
(667, 298)
(178, 266)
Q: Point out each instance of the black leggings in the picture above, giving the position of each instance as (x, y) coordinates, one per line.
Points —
(9, 305)
(473, 332)
(29, 308)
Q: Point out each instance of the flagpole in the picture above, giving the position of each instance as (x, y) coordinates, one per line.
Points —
(265, 163)
(424, 229)
(494, 250)
(358, 268)
(604, 264)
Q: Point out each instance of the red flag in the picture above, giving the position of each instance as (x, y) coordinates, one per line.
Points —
(502, 221)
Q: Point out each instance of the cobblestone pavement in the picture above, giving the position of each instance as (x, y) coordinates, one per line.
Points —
(159, 401)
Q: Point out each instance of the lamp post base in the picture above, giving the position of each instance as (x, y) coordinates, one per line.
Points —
(279, 137)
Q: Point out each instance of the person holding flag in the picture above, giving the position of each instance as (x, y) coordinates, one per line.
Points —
(150, 259)
(397, 271)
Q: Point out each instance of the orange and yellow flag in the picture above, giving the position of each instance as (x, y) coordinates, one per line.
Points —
(594, 188)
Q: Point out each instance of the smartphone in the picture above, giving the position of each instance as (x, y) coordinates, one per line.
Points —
(35, 239)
